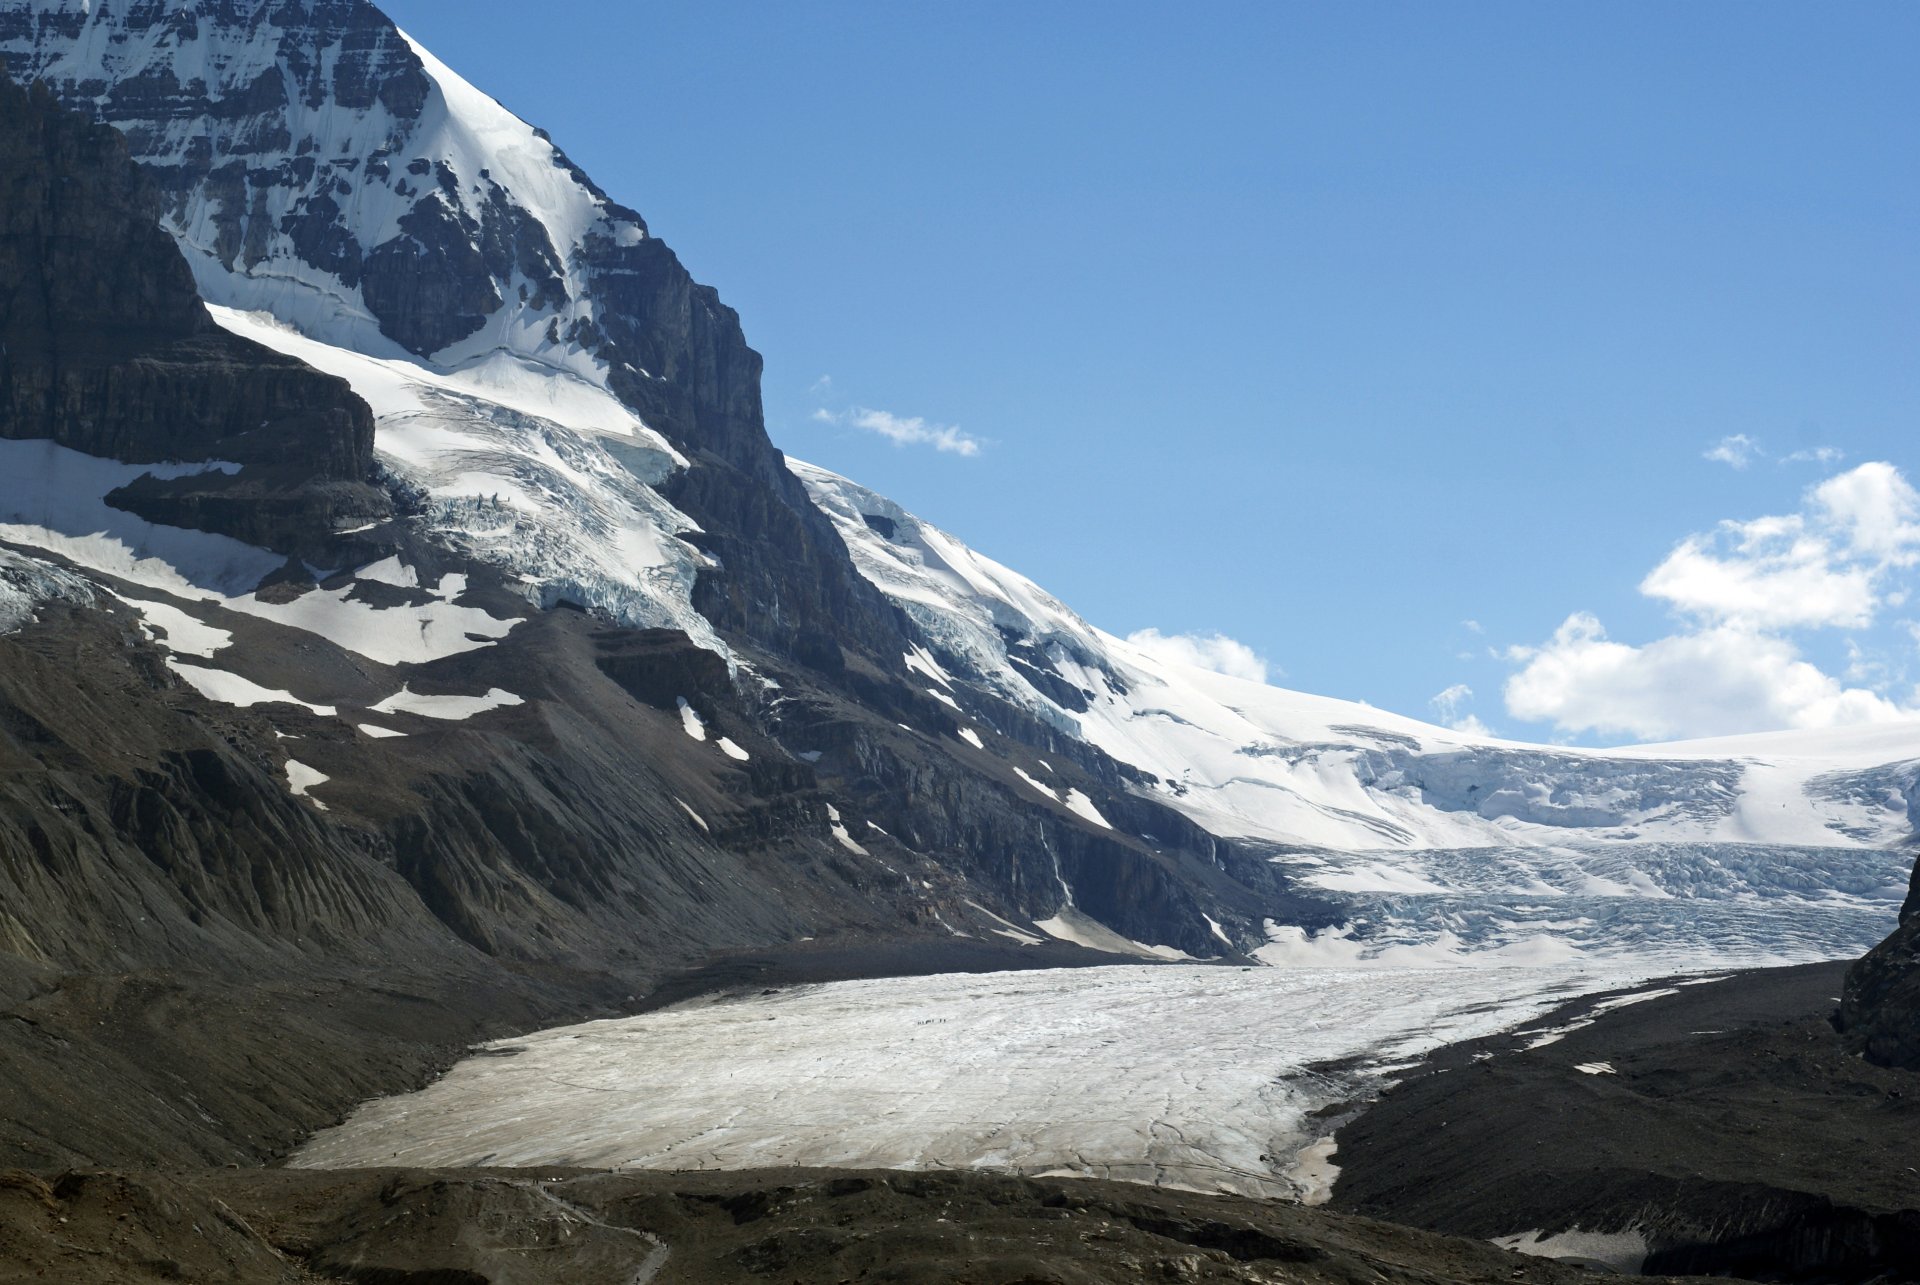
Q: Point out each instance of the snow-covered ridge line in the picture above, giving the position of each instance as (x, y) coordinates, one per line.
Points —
(1243, 758)
(332, 143)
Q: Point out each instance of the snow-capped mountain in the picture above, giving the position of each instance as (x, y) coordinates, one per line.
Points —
(317, 166)
(1246, 759)
(562, 417)
(1436, 841)
(305, 149)
(337, 190)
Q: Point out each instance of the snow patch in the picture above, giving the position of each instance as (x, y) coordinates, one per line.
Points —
(1008, 929)
(456, 708)
(840, 834)
(1081, 805)
(1623, 1251)
(922, 661)
(1047, 790)
(231, 689)
(1213, 926)
(177, 631)
(1071, 925)
(301, 779)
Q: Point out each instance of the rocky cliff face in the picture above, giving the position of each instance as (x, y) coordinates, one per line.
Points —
(314, 163)
(106, 348)
(1880, 1007)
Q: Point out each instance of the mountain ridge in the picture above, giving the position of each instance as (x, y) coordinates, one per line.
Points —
(741, 739)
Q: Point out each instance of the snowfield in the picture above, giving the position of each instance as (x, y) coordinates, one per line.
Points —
(534, 470)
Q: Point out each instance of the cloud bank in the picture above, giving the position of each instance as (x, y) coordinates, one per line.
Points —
(1740, 594)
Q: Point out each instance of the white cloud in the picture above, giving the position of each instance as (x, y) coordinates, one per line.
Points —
(1741, 590)
(1717, 681)
(904, 430)
(1736, 451)
(1765, 576)
(1815, 455)
(1472, 627)
(1825, 566)
(1451, 705)
(822, 387)
(1217, 652)
(1877, 510)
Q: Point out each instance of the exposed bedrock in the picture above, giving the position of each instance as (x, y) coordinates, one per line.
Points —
(260, 198)
(1880, 1008)
(106, 348)
(1722, 1129)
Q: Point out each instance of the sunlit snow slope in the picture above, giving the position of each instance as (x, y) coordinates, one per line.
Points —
(1440, 842)
(1244, 758)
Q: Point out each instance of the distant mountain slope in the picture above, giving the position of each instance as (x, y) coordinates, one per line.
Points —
(1244, 758)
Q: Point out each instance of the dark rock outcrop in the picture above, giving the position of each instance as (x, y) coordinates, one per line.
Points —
(105, 348)
(1722, 1129)
(1880, 1008)
(808, 1227)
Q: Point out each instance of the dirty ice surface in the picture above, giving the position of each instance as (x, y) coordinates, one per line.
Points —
(1198, 1077)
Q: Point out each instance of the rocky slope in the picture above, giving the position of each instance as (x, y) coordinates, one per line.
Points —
(1880, 1007)
(418, 1226)
(1719, 1128)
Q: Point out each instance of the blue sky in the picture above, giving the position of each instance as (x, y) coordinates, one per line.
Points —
(1327, 328)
